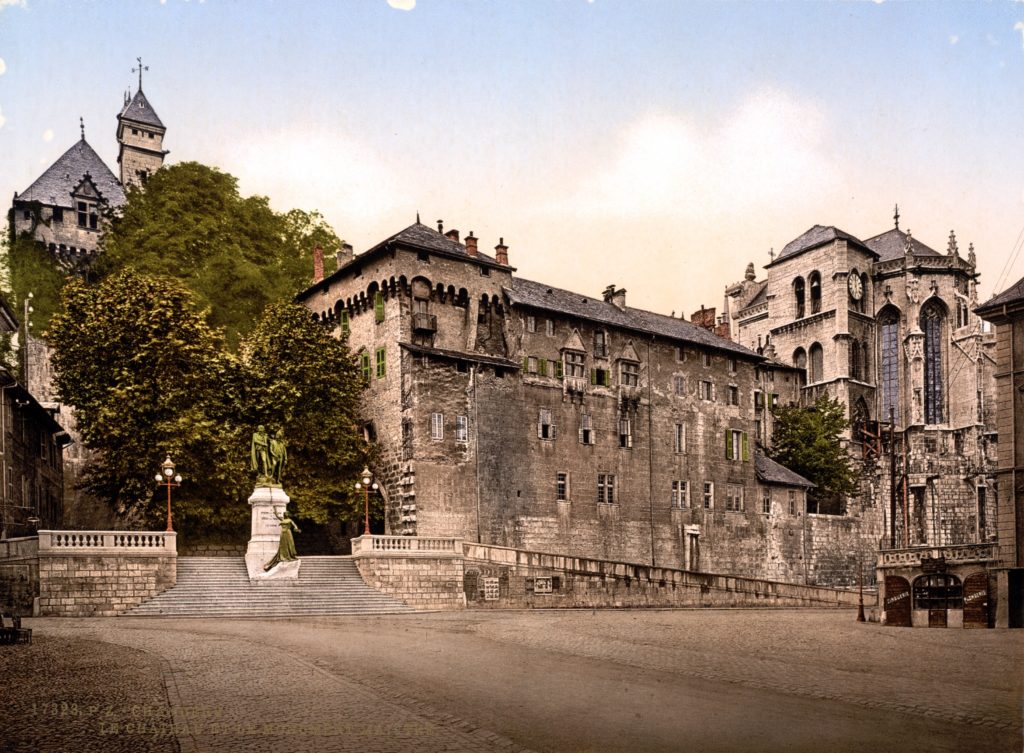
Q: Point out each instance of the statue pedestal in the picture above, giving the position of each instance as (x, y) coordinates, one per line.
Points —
(266, 534)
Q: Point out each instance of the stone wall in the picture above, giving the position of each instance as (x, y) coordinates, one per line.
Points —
(102, 573)
(427, 578)
(19, 575)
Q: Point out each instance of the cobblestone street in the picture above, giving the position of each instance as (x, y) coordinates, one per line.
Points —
(712, 680)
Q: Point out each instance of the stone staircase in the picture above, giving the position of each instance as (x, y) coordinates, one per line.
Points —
(220, 587)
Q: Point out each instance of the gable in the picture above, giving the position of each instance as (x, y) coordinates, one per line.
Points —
(629, 353)
(574, 342)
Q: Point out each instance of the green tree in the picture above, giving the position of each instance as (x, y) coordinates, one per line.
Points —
(235, 253)
(147, 377)
(806, 440)
(301, 379)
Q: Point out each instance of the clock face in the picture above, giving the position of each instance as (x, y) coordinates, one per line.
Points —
(856, 289)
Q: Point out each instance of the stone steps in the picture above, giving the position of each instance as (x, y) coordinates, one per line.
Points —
(220, 587)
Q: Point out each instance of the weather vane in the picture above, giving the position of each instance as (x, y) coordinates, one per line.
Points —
(139, 70)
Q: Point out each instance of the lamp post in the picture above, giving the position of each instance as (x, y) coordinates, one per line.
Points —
(167, 478)
(366, 485)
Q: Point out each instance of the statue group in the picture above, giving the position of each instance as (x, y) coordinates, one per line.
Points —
(268, 456)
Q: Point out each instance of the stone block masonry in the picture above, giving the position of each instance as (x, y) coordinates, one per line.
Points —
(423, 573)
(102, 573)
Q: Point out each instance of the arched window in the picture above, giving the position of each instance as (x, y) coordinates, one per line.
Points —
(932, 315)
(939, 591)
(814, 283)
(817, 359)
(865, 364)
(889, 349)
(798, 293)
(855, 360)
(800, 358)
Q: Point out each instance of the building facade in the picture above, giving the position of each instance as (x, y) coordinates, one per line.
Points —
(515, 413)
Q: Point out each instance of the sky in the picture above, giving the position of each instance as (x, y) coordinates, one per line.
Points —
(657, 146)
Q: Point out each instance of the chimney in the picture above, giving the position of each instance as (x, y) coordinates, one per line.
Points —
(501, 252)
(318, 264)
(704, 318)
(345, 254)
(471, 244)
(440, 227)
(616, 297)
(452, 235)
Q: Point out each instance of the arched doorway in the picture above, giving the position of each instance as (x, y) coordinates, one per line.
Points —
(938, 594)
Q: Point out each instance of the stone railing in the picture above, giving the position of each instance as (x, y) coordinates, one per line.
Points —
(912, 556)
(134, 543)
(21, 548)
(430, 546)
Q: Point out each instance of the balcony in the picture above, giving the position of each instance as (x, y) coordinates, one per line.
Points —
(424, 323)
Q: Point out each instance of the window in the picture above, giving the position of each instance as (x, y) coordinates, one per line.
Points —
(758, 399)
(601, 377)
(381, 364)
(855, 360)
(931, 325)
(485, 271)
(600, 344)
(792, 502)
(575, 365)
(555, 369)
(378, 307)
(680, 353)
(734, 497)
(679, 385)
(766, 503)
(562, 487)
(87, 216)
(814, 282)
(705, 359)
(889, 333)
(707, 390)
(817, 359)
(364, 365)
(423, 256)
(437, 426)
(58, 214)
(586, 429)
(734, 365)
(938, 591)
(344, 322)
(680, 494)
(800, 358)
(798, 295)
(625, 433)
(736, 445)
(545, 428)
(606, 488)
(709, 495)
(531, 324)
(734, 395)
(461, 429)
(629, 374)
(680, 438)
(531, 364)
(550, 327)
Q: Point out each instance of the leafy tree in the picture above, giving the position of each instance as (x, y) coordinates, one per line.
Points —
(301, 379)
(148, 377)
(807, 441)
(33, 269)
(235, 253)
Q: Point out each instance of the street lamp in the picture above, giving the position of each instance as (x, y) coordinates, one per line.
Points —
(167, 478)
(367, 484)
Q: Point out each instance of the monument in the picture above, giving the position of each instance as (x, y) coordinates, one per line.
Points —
(271, 551)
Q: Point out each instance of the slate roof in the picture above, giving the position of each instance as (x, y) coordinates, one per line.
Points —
(54, 186)
(759, 297)
(891, 244)
(427, 238)
(1013, 294)
(819, 235)
(771, 472)
(139, 110)
(458, 355)
(541, 296)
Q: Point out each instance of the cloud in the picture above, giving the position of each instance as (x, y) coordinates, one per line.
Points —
(2, 118)
(48, 135)
(402, 4)
(768, 151)
(318, 169)
(1019, 26)
(3, 67)
(5, 3)
(953, 39)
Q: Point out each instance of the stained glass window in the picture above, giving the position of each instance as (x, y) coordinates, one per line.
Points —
(931, 324)
(890, 347)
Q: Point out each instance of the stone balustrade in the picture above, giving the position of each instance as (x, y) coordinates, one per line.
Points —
(959, 553)
(412, 545)
(23, 547)
(135, 543)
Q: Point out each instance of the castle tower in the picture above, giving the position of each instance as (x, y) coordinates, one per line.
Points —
(140, 138)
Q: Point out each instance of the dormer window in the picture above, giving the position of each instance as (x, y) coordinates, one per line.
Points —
(87, 216)
(629, 374)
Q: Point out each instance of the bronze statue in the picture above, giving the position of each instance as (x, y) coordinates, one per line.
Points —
(286, 546)
(278, 456)
(260, 454)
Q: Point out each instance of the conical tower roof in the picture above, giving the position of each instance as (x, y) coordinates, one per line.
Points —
(139, 110)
